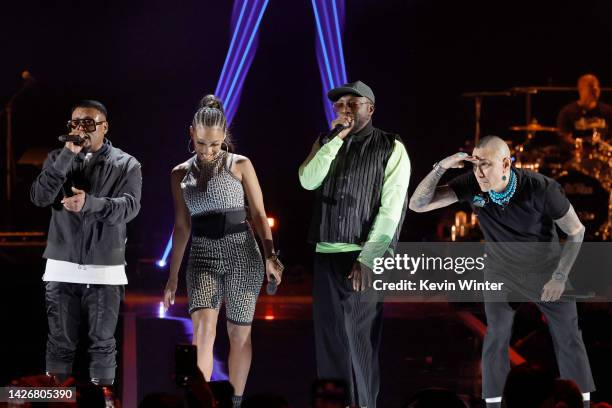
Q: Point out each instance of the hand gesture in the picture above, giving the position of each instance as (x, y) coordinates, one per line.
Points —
(456, 161)
(552, 291)
(345, 120)
(360, 276)
(76, 202)
(74, 148)
(169, 293)
(274, 269)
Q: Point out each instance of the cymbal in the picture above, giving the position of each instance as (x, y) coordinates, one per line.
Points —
(534, 127)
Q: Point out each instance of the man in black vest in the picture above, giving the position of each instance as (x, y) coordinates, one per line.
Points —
(361, 180)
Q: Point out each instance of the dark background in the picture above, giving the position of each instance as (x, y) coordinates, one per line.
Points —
(150, 62)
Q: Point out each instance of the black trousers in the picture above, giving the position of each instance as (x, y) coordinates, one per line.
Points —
(68, 306)
(348, 327)
(569, 348)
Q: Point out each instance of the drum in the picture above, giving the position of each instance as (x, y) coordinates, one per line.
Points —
(589, 199)
(543, 154)
(593, 156)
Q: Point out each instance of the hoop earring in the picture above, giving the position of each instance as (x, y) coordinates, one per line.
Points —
(226, 146)
(189, 147)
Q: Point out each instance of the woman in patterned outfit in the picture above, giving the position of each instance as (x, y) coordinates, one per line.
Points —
(224, 263)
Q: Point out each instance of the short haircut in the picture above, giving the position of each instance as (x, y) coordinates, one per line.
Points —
(495, 143)
(589, 78)
(90, 103)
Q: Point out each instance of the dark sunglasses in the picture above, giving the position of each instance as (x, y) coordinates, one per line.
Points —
(89, 125)
(352, 105)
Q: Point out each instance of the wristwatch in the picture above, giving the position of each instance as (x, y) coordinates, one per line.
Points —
(437, 167)
(274, 258)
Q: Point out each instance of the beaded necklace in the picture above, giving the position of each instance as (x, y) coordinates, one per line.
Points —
(504, 197)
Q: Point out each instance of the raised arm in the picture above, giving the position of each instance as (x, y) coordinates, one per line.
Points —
(47, 188)
(314, 169)
(180, 233)
(428, 195)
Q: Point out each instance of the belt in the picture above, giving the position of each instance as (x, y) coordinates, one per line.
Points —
(218, 225)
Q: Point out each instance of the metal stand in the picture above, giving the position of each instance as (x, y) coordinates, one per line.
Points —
(478, 108)
(8, 111)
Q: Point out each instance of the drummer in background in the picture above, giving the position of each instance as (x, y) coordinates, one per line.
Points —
(580, 118)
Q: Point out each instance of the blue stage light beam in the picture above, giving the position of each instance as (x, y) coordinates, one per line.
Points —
(235, 26)
(245, 23)
(329, 24)
(243, 29)
(233, 94)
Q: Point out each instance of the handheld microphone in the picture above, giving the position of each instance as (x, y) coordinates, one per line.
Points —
(76, 139)
(272, 286)
(326, 137)
(337, 129)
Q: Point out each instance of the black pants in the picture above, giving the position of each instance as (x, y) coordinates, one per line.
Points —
(347, 328)
(569, 348)
(67, 305)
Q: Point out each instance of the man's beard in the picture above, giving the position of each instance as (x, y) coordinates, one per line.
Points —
(357, 124)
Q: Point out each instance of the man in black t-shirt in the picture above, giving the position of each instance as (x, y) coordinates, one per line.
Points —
(517, 208)
(581, 117)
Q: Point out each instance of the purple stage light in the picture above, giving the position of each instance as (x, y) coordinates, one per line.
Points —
(338, 29)
(241, 54)
(329, 23)
(233, 94)
(243, 30)
(161, 263)
(245, 22)
(235, 25)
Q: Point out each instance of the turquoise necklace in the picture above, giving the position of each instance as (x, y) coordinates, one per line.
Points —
(504, 197)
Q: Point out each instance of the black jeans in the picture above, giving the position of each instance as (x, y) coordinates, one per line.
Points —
(68, 304)
(348, 328)
(570, 351)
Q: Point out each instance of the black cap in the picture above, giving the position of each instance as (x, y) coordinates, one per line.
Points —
(356, 88)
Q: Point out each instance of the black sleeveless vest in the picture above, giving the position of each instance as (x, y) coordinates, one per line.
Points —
(348, 200)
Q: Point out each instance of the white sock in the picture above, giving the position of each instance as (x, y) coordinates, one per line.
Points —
(586, 396)
(492, 400)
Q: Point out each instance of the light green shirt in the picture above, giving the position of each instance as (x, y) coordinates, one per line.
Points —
(394, 190)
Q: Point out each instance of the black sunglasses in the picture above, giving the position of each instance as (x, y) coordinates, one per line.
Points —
(88, 124)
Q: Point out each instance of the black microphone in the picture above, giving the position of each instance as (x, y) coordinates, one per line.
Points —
(272, 286)
(76, 139)
(326, 137)
(337, 129)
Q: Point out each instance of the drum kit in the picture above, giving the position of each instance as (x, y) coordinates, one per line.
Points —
(583, 168)
(582, 165)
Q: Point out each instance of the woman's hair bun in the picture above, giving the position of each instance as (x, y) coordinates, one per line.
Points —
(211, 101)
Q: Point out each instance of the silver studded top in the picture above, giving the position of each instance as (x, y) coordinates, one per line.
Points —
(210, 187)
